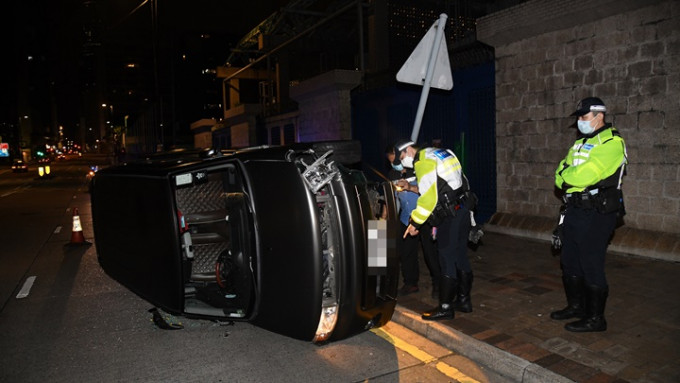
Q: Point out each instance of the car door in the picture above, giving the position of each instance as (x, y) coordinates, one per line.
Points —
(136, 228)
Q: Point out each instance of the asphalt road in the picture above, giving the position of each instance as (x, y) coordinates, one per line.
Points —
(75, 324)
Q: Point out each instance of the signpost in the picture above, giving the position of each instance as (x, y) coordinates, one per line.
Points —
(428, 66)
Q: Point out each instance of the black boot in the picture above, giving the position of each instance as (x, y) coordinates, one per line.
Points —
(596, 299)
(463, 302)
(447, 293)
(435, 289)
(573, 288)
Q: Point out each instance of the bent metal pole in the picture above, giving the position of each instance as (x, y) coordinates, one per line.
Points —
(428, 76)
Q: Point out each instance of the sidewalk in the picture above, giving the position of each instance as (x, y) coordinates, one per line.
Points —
(518, 283)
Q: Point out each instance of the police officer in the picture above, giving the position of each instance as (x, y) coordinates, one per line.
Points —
(442, 204)
(408, 247)
(590, 177)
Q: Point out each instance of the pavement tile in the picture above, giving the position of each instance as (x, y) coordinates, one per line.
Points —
(616, 351)
(509, 344)
(573, 370)
(528, 351)
(632, 373)
(537, 290)
(554, 343)
(484, 335)
(600, 344)
(549, 360)
(468, 326)
(496, 339)
(613, 367)
(600, 378)
(528, 337)
(568, 349)
(518, 283)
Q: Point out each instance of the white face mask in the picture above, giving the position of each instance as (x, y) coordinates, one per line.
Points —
(407, 162)
(585, 127)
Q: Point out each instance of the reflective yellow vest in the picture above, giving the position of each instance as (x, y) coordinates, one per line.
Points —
(591, 160)
(430, 164)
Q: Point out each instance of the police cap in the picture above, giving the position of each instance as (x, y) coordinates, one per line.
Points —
(589, 104)
(400, 146)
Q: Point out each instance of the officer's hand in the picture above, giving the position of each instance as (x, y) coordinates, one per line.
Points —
(411, 230)
(557, 239)
(402, 184)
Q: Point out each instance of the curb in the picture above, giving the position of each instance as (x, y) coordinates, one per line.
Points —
(500, 361)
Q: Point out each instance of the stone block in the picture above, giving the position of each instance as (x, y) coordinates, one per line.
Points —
(554, 52)
(605, 90)
(640, 69)
(573, 78)
(671, 224)
(642, 34)
(563, 64)
(629, 53)
(652, 49)
(647, 221)
(653, 85)
(625, 88)
(616, 73)
(583, 63)
(667, 243)
(626, 124)
(594, 76)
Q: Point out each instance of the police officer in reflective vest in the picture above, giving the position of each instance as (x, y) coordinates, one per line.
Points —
(590, 177)
(442, 204)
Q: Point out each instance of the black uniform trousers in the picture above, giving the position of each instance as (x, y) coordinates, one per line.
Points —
(452, 239)
(586, 235)
(408, 255)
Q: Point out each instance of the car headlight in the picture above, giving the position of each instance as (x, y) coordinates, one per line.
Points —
(329, 316)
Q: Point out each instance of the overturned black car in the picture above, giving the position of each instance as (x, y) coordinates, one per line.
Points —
(286, 238)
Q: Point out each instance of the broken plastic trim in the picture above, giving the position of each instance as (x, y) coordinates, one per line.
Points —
(319, 173)
(161, 323)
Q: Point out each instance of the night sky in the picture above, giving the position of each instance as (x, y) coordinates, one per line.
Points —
(43, 44)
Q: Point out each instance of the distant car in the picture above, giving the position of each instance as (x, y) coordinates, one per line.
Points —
(44, 160)
(19, 166)
(283, 237)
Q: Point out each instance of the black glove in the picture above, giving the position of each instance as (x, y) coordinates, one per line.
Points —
(557, 238)
(475, 234)
(557, 235)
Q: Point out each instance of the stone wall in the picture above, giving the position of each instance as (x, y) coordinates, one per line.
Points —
(552, 53)
(324, 106)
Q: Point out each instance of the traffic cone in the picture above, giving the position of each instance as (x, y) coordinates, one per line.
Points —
(77, 237)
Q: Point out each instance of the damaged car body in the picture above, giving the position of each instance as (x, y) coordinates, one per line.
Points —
(282, 237)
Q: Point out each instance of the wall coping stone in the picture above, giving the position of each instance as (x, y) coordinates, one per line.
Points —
(519, 22)
(626, 240)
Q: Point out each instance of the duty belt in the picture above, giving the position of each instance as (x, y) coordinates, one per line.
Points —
(452, 199)
(584, 199)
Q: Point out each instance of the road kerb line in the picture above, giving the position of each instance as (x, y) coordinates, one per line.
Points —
(423, 356)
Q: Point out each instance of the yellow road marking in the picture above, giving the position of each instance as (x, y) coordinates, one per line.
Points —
(423, 356)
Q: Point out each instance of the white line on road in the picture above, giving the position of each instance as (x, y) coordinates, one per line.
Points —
(16, 190)
(57, 230)
(26, 288)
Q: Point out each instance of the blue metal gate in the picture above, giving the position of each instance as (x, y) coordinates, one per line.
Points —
(462, 119)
